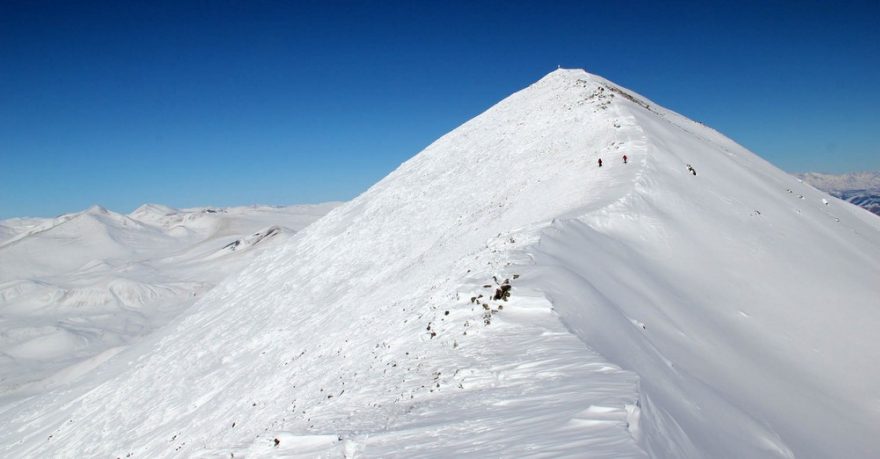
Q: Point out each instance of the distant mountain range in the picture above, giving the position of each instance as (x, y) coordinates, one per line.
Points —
(78, 288)
(859, 188)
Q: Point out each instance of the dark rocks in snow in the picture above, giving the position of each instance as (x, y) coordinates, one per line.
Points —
(631, 98)
(502, 292)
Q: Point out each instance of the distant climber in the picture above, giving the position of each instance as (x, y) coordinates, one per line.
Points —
(600, 162)
(691, 169)
(624, 159)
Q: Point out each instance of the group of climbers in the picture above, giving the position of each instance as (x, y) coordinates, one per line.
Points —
(624, 160)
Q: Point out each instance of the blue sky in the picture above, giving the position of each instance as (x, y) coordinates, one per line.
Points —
(239, 102)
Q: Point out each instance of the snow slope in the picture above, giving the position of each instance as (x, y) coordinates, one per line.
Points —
(651, 312)
(74, 287)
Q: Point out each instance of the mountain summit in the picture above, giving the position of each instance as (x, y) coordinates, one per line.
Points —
(501, 294)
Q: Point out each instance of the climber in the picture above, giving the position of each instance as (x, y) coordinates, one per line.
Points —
(600, 162)
(691, 169)
(624, 159)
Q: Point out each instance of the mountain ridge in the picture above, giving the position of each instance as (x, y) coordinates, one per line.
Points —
(645, 296)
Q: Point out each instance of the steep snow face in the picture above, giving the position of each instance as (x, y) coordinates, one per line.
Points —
(75, 288)
(651, 311)
(743, 298)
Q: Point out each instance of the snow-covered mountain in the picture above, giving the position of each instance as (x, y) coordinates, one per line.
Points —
(859, 188)
(500, 294)
(75, 289)
(842, 182)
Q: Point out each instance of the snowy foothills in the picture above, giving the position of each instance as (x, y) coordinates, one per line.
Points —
(76, 289)
(498, 295)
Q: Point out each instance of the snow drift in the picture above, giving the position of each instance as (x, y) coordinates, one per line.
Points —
(651, 312)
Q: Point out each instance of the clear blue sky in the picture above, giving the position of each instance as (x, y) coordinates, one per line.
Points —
(238, 102)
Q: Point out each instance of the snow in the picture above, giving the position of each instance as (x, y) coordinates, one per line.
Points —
(652, 312)
(869, 180)
(75, 287)
(859, 188)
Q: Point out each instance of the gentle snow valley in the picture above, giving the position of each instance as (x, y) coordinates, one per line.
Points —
(500, 295)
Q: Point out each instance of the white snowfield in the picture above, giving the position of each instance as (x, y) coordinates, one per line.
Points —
(650, 312)
(75, 289)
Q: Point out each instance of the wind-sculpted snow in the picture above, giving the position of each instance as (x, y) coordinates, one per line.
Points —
(500, 294)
